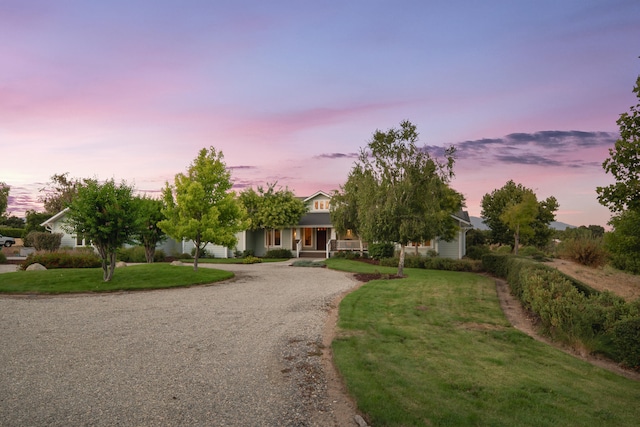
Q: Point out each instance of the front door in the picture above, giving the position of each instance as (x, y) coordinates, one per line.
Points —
(321, 239)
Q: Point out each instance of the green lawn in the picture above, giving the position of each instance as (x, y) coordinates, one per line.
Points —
(436, 349)
(137, 277)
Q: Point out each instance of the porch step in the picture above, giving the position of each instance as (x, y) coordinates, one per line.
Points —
(313, 254)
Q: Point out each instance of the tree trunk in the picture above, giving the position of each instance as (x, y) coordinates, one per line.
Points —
(401, 261)
(102, 251)
(149, 252)
(112, 266)
(517, 240)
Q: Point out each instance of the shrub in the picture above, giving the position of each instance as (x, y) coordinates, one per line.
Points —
(43, 241)
(348, 255)
(476, 252)
(203, 253)
(184, 256)
(244, 254)
(63, 259)
(11, 232)
(136, 254)
(437, 263)
(587, 251)
(381, 250)
(279, 253)
(626, 337)
(3, 258)
(251, 260)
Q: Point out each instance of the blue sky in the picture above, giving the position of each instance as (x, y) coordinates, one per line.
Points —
(291, 90)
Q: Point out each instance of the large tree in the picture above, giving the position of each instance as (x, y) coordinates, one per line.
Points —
(402, 193)
(495, 204)
(4, 197)
(519, 218)
(624, 163)
(59, 192)
(200, 206)
(149, 233)
(106, 215)
(270, 209)
(344, 206)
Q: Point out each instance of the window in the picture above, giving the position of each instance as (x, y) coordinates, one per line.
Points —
(307, 237)
(273, 238)
(81, 241)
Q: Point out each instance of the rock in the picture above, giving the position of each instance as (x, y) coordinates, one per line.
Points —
(121, 264)
(178, 263)
(361, 422)
(36, 267)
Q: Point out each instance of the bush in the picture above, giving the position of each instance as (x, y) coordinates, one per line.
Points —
(381, 250)
(184, 256)
(63, 259)
(136, 254)
(203, 253)
(437, 263)
(11, 232)
(626, 337)
(3, 258)
(476, 252)
(251, 260)
(348, 255)
(279, 253)
(43, 241)
(587, 251)
(244, 254)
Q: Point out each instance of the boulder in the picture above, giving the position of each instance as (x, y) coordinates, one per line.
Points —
(178, 263)
(36, 267)
(121, 264)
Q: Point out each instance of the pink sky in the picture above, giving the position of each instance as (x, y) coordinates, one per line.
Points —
(288, 92)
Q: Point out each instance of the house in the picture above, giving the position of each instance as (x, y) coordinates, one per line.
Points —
(313, 236)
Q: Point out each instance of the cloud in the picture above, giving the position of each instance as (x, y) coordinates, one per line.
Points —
(336, 156)
(544, 148)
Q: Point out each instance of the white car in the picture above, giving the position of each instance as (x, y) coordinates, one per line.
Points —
(7, 241)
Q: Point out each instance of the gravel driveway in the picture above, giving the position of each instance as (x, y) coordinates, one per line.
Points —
(245, 352)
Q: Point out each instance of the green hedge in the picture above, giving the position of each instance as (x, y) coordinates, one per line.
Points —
(64, 259)
(279, 253)
(571, 311)
(3, 258)
(381, 250)
(136, 254)
(16, 233)
(434, 263)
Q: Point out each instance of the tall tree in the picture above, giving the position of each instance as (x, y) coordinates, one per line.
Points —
(624, 163)
(200, 206)
(519, 218)
(59, 192)
(105, 214)
(4, 198)
(270, 209)
(402, 193)
(494, 204)
(149, 233)
(344, 205)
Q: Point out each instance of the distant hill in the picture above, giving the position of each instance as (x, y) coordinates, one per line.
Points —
(478, 224)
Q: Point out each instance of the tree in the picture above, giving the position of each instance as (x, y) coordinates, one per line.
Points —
(623, 242)
(105, 214)
(519, 217)
(149, 233)
(402, 194)
(624, 163)
(4, 198)
(344, 206)
(12, 222)
(494, 204)
(271, 209)
(59, 193)
(33, 221)
(200, 206)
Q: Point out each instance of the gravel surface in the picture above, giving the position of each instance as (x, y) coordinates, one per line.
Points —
(246, 352)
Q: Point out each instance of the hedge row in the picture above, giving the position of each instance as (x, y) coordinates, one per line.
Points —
(64, 259)
(16, 233)
(137, 254)
(434, 263)
(572, 312)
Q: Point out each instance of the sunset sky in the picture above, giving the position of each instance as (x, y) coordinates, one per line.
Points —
(291, 90)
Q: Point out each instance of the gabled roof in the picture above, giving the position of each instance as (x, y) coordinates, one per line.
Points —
(462, 216)
(316, 194)
(55, 218)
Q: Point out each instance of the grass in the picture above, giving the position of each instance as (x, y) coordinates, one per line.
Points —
(435, 349)
(137, 277)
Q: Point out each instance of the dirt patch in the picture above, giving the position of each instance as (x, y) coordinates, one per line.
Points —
(602, 279)
(367, 277)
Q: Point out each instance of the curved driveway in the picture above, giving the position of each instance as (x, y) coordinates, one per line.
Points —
(245, 352)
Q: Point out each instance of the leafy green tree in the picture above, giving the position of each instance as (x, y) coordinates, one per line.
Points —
(149, 233)
(519, 218)
(12, 222)
(495, 203)
(4, 198)
(270, 209)
(105, 214)
(624, 163)
(33, 221)
(200, 206)
(344, 205)
(59, 193)
(402, 193)
(623, 242)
